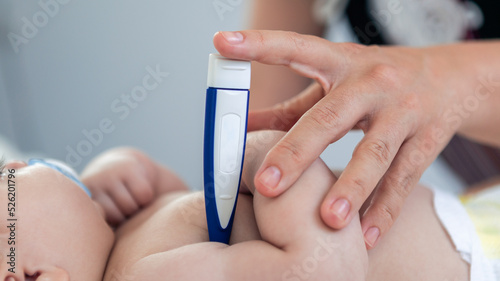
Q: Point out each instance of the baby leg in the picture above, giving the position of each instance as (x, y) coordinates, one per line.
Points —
(292, 222)
(294, 245)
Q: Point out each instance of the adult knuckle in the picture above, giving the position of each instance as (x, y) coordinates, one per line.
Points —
(373, 50)
(370, 53)
(349, 51)
(385, 74)
(358, 186)
(388, 214)
(401, 185)
(298, 40)
(261, 42)
(260, 37)
(287, 147)
(408, 183)
(352, 48)
(299, 43)
(325, 117)
(379, 150)
(411, 102)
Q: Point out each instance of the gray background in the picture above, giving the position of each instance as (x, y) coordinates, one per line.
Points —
(90, 53)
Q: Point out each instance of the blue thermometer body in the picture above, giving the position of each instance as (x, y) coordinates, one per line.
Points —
(224, 144)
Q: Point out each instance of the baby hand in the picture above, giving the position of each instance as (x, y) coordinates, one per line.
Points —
(122, 181)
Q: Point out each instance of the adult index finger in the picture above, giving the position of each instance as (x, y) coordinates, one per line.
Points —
(308, 55)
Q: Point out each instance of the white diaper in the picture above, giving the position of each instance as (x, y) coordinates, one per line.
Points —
(460, 227)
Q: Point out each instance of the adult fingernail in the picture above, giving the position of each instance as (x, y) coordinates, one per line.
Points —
(340, 208)
(270, 177)
(232, 37)
(371, 236)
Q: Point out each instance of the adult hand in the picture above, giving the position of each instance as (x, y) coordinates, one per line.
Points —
(395, 95)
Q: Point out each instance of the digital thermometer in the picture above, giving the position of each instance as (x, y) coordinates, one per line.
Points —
(224, 145)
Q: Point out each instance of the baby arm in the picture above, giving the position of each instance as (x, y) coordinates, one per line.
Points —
(124, 180)
(295, 245)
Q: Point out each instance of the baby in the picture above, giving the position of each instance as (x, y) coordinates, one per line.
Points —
(57, 232)
(162, 233)
(273, 239)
